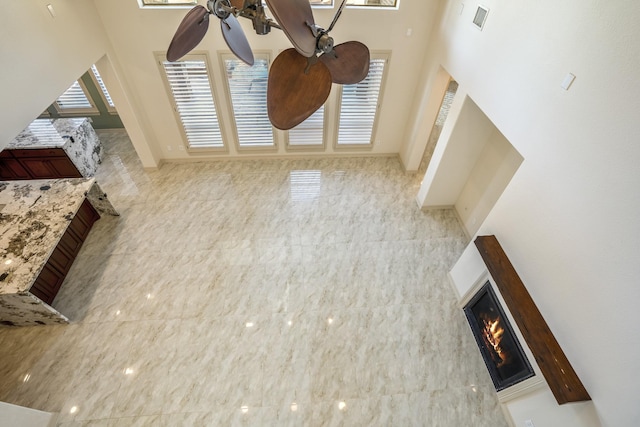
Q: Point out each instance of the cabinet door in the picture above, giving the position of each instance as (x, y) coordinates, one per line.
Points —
(50, 168)
(39, 168)
(52, 276)
(61, 260)
(64, 167)
(10, 169)
(83, 221)
(37, 153)
(46, 163)
(47, 284)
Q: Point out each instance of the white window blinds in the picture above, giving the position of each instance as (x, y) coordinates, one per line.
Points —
(103, 88)
(248, 91)
(310, 132)
(359, 107)
(372, 3)
(193, 101)
(74, 98)
(168, 2)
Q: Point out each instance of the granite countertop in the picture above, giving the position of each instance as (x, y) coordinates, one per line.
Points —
(75, 136)
(47, 133)
(33, 217)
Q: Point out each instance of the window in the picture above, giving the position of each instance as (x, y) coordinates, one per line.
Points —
(248, 93)
(373, 3)
(193, 100)
(75, 100)
(103, 89)
(194, 2)
(309, 133)
(321, 2)
(359, 105)
(168, 2)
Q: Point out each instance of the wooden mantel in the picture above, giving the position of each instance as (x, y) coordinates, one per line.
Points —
(562, 379)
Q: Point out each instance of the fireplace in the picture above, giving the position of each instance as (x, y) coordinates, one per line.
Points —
(499, 346)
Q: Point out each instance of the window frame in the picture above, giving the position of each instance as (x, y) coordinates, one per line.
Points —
(74, 112)
(191, 3)
(324, 6)
(316, 147)
(373, 7)
(375, 55)
(160, 57)
(186, 4)
(257, 54)
(103, 95)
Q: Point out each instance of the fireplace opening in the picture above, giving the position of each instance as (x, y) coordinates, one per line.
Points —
(499, 346)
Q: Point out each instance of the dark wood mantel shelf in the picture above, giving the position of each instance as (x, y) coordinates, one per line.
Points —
(560, 375)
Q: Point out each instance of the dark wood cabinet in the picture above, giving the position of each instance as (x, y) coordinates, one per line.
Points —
(50, 279)
(48, 163)
(11, 168)
(47, 284)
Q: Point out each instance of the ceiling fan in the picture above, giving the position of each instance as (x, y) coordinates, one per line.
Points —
(300, 77)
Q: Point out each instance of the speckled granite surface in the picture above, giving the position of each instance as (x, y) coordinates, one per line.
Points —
(33, 217)
(75, 136)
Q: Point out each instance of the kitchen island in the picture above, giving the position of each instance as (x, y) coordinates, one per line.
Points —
(43, 224)
(52, 148)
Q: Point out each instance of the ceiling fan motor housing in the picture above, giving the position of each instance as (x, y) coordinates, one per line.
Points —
(260, 22)
(220, 8)
(324, 43)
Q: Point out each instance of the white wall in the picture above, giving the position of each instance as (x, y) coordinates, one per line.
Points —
(463, 138)
(531, 399)
(491, 174)
(137, 33)
(426, 106)
(42, 56)
(569, 219)
(540, 407)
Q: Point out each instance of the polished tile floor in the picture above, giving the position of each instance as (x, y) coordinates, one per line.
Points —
(263, 293)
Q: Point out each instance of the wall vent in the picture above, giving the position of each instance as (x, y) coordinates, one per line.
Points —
(481, 16)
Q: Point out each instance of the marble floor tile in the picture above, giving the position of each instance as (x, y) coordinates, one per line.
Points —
(257, 293)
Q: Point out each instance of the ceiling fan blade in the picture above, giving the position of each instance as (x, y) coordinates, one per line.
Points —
(236, 39)
(295, 17)
(350, 65)
(337, 15)
(292, 95)
(190, 32)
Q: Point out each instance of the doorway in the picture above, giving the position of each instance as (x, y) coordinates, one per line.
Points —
(443, 112)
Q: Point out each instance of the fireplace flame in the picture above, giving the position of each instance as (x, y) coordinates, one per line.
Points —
(492, 333)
